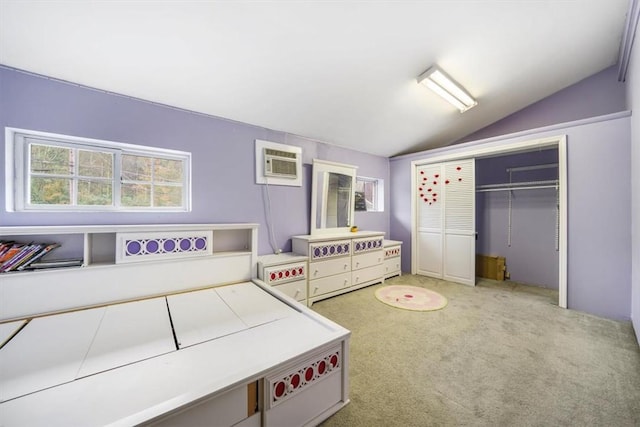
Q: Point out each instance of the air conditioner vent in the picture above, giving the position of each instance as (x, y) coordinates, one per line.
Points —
(280, 153)
(280, 164)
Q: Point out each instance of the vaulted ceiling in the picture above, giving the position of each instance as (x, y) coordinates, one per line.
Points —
(342, 72)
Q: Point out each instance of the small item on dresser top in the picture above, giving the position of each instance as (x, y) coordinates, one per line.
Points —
(354, 229)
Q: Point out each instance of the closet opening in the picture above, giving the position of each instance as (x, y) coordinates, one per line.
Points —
(519, 209)
(518, 220)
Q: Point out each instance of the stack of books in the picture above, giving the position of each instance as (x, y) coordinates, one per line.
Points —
(15, 256)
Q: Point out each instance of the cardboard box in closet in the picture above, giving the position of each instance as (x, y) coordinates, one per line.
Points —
(490, 267)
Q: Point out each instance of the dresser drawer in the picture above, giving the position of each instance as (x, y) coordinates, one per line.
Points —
(329, 267)
(392, 266)
(392, 252)
(329, 284)
(279, 274)
(296, 290)
(368, 274)
(367, 244)
(365, 260)
(326, 250)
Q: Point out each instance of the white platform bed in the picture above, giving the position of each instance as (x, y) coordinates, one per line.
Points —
(218, 354)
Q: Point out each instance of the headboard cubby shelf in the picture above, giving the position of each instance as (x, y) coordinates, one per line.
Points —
(151, 257)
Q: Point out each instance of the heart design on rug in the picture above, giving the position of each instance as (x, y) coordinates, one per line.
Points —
(411, 298)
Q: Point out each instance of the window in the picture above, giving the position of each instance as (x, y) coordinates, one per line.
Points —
(369, 194)
(151, 181)
(56, 172)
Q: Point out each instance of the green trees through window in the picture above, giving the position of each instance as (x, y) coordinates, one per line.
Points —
(70, 174)
(148, 181)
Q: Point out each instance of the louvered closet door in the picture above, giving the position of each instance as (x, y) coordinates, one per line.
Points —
(430, 220)
(446, 221)
(459, 252)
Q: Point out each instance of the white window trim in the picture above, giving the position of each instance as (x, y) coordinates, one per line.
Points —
(16, 192)
(379, 203)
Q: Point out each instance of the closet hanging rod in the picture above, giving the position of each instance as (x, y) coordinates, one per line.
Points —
(532, 168)
(508, 185)
(532, 187)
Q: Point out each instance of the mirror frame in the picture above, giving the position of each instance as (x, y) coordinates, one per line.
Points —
(323, 166)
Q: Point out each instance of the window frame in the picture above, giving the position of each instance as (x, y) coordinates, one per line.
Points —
(18, 171)
(378, 202)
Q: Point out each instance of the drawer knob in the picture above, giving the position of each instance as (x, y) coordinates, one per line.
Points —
(315, 290)
(315, 272)
(346, 266)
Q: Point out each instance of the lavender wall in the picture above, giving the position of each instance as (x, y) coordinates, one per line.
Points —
(532, 257)
(224, 188)
(599, 209)
(596, 95)
(633, 99)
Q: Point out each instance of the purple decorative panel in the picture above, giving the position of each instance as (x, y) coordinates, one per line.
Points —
(367, 245)
(163, 246)
(330, 250)
(135, 247)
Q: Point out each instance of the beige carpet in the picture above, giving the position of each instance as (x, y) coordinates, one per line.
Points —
(499, 354)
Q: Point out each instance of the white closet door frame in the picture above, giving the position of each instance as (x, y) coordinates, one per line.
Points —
(560, 142)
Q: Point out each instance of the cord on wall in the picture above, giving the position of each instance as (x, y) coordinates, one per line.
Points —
(270, 228)
(270, 175)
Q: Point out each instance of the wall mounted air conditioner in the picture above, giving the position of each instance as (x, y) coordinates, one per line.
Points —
(280, 164)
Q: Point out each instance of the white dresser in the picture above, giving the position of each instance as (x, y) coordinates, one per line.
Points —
(392, 257)
(340, 263)
(286, 272)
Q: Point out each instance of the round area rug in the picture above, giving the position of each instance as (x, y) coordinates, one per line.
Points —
(411, 298)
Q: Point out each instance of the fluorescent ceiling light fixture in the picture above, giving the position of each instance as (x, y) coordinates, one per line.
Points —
(436, 80)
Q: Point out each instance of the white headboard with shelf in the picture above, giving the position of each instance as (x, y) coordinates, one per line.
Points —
(172, 262)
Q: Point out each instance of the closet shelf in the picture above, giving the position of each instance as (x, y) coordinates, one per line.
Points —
(527, 185)
(532, 167)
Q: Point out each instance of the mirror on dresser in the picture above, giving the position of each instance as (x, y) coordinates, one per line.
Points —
(332, 196)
